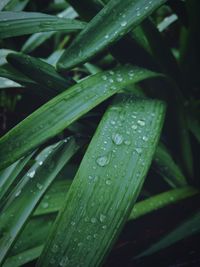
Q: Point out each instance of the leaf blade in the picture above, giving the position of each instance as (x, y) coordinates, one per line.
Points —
(81, 225)
(64, 109)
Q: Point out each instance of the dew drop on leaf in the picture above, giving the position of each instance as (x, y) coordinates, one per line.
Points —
(117, 138)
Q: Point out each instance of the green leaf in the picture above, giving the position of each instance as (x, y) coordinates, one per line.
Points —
(189, 227)
(3, 3)
(53, 200)
(109, 25)
(38, 38)
(8, 176)
(39, 71)
(60, 112)
(26, 195)
(168, 169)
(161, 200)
(105, 187)
(20, 23)
(23, 257)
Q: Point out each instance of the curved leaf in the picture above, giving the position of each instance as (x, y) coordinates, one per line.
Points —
(26, 195)
(64, 109)
(105, 187)
(109, 25)
(20, 23)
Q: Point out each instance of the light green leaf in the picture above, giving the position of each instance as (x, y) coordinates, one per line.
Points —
(26, 195)
(105, 187)
(20, 23)
(9, 175)
(109, 25)
(60, 112)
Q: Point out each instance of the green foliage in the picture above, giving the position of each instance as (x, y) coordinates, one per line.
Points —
(100, 125)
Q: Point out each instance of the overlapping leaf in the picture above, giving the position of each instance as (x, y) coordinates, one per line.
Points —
(64, 109)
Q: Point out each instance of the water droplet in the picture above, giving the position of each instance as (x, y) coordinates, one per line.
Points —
(127, 142)
(138, 150)
(18, 193)
(39, 186)
(108, 182)
(31, 174)
(111, 80)
(104, 77)
(40, 163)
(102, 218)
(73, 223)
(119, 79)
(64, 261)
(93, 220)
(106, 36)
(112, 122)
(103, 160)
(117, 138)
(141, 122)
(145, 138)
(104, 227)
(123, 23)
(134, 127)
(55, 248)
(89, 237)
(45, 205)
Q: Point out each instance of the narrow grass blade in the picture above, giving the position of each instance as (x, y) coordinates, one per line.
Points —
(23, 257)
(161, 200)
(7, 83)
(39, 38)
(189, 227)
(106, 185)
(7, 71)
(168, 169)
(26, 195)
(33, 235)
(108, 26)
(53, 199)
(30, 242)
(39, 71)
(9, 175)
(64, 109)
(20, 23)
(3, 3)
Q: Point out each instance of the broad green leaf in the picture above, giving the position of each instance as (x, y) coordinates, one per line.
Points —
(107, 183)
(189, 227)
(60, 112)
(39, 71)
(169, 170)
(109, 25)
(26, 195)
(20, 23)
(161, 200)
(9, 175)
